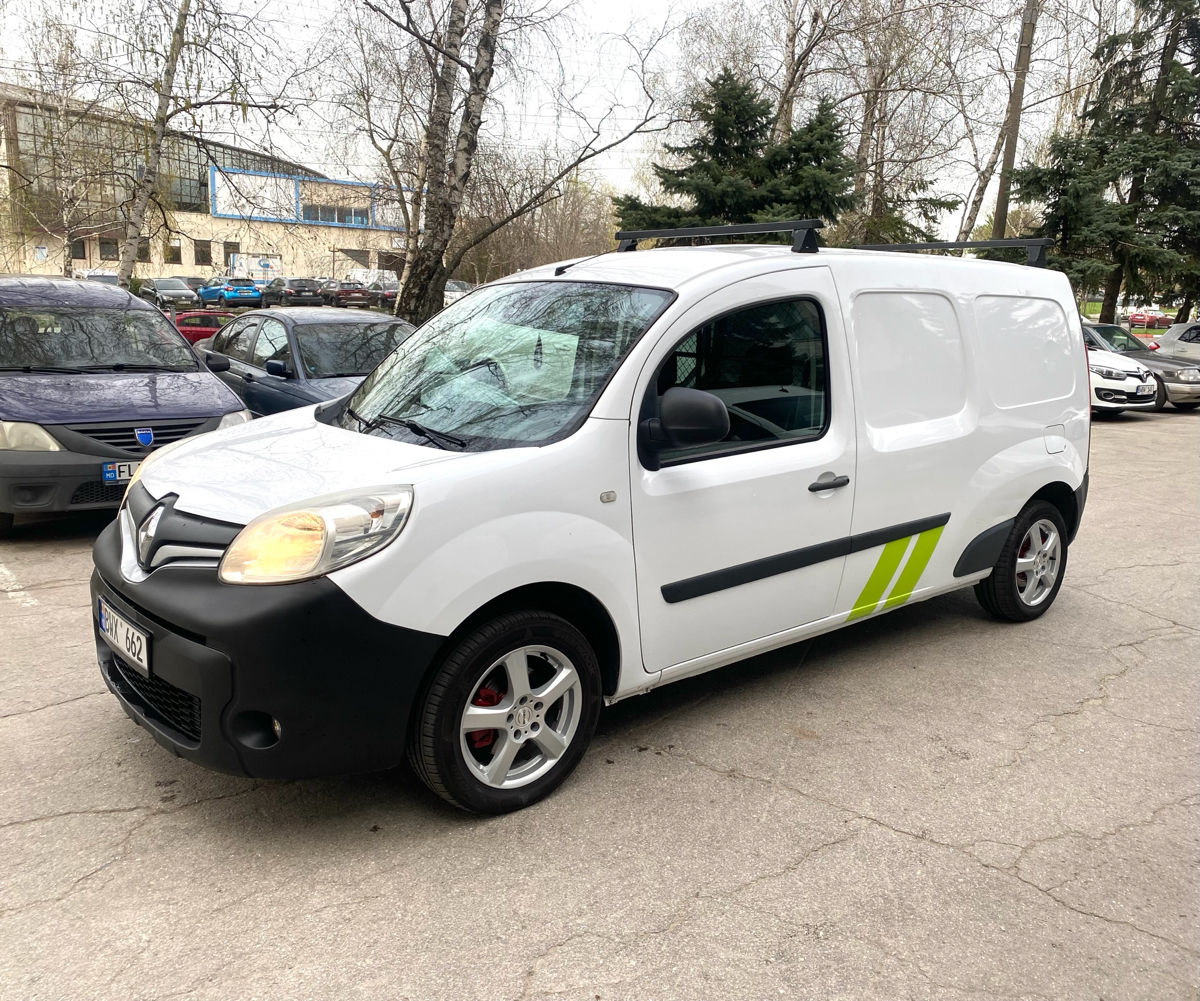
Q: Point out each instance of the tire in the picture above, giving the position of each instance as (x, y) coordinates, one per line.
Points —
(6, 524)
(1191, 405)
(497, 672)
(1160, 394)
(1039, 540)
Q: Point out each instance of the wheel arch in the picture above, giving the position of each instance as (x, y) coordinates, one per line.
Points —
(1066, 500)
(579, 607)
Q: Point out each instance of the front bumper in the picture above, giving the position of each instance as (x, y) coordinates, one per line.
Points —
(1108, 394)
(1182, 392)
(228, 661)
(35, 482)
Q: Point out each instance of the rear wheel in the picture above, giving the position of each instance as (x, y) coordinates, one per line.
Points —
(1029, 572)
(509, 713)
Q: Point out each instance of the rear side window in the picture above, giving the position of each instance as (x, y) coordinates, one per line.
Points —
(910, 357)
(272, 344)
(237, 340)
(1026, 350)
(767, 364)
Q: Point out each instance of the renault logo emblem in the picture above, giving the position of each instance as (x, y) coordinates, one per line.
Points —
(145, 536)
(145, 436)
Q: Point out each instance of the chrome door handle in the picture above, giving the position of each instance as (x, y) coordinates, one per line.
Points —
(830, 484)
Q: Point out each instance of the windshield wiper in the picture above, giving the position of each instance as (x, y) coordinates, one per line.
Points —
(365, 424)
(43, 368)
(439, 438)
(120, 366)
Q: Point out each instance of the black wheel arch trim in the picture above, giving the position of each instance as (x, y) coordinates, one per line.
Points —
(982, 551)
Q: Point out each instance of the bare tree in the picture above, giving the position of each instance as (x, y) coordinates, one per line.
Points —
(461, 43)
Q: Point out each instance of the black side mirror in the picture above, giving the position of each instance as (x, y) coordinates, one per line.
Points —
(276, 366)
(687, 418)
(216, 363)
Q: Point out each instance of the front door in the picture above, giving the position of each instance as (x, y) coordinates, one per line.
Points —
(747, 538)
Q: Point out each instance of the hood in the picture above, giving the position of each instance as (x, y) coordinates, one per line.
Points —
(238, 474)
(113, 396)
(1158, 361)
(331, 389)
(177, 293)
(1119, 362)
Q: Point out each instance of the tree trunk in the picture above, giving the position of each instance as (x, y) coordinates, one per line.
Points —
(422, 293)
(1012, 118)
(141, 198)
(1112, 290)
(981, 185)
(1185, 309)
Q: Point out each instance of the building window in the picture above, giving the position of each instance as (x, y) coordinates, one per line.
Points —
(143, 251)
(231, 248)
(79, 250)
(173, 252)
(108, 250)
(346, 215)
(202, 252)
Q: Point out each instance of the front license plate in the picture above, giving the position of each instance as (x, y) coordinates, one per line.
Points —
(118, 472)
(1145, 390)
(131, 643)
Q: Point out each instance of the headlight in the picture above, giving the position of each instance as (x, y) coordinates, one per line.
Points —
(20, 437)
(235, 418)
(316, 537)
(1108, 373)
(1186, 375)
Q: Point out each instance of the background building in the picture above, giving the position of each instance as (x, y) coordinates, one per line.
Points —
(69, 168)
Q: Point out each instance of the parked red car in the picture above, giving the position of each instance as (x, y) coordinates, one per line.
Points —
(337, 293)
(195, 325)
(1152, 318)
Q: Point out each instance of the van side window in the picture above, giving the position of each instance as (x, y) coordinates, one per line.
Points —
(767, 363)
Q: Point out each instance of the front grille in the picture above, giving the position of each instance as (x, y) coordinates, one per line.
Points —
(124, 435)
(98, 493)
(173, 706)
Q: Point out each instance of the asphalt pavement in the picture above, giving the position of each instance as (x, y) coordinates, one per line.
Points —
(927, 805)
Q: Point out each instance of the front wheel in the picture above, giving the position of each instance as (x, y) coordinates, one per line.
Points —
(1160, 394)
(509, 713)
(1029, 572)
(6, 524)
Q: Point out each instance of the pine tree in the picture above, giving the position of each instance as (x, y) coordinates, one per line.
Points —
(732, 172)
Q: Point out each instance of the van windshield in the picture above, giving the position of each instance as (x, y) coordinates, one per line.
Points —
(510, 365)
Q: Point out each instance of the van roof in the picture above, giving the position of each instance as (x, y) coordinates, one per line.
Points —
(674, 267)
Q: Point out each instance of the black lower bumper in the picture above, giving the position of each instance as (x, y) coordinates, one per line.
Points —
(229, 664)
(33, 482)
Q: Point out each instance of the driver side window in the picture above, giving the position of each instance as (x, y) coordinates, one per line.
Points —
(767, 364)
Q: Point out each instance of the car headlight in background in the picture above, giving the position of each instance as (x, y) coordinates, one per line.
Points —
(316, 537)
(1108, 373)
(18, 436)
(1185, 375)
(234, 419)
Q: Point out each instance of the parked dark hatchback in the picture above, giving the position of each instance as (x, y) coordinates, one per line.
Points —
(169, 292)
(92, 380)
(337, 293)
(282, 359)
(293, 292)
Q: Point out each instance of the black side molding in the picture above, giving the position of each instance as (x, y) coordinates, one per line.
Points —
(983, 550)
(796, 559)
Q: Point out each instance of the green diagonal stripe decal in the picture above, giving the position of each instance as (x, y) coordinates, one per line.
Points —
(872, 591)
(913, 569)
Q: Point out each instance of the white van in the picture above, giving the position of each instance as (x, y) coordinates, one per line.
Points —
(585, 481)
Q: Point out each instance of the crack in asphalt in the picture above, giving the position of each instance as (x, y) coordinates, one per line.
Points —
(50, 705)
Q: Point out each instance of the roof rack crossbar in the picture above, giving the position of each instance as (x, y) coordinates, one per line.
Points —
(1035, 247)
(804, 233)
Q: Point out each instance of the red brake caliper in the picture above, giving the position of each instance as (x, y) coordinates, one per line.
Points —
(486, 696)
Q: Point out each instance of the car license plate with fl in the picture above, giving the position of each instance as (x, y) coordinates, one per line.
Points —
(1145, 389)
(131, 643)
(118, 472)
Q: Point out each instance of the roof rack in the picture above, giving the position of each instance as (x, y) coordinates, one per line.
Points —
(1035, 248)
(804, 233)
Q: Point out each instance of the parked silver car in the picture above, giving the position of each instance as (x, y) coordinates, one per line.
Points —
(1181, 340)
